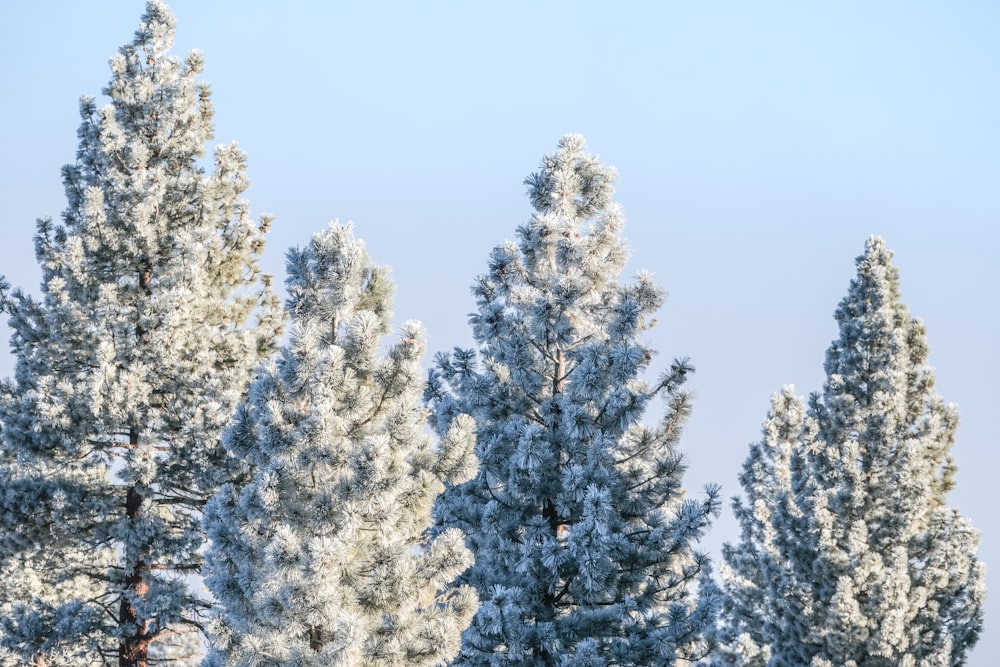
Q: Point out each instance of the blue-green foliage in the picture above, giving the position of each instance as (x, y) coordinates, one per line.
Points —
(584, 543)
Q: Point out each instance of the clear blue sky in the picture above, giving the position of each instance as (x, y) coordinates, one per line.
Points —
(759, 145)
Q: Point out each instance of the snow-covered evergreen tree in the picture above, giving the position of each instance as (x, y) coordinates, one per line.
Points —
(324, 558)
(854, 559)
(584, 542)
(152, 318)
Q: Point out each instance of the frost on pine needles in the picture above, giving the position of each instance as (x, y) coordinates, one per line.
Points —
(324, 557)
(584, 542)
(849, 554)
(152, 316)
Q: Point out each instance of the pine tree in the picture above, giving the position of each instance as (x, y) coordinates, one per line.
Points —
(584, 543)
(864, 563)
(324, 557)
(127, 369)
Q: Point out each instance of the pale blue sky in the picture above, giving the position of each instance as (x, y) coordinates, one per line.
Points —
(759, 145)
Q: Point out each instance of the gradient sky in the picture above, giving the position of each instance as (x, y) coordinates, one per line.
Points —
(759, 145)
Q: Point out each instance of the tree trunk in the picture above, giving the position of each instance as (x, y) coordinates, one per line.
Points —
(549, 512)
(316, 641)
(133, 649)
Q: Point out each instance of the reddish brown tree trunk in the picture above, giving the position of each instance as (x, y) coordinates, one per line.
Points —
(133, 650)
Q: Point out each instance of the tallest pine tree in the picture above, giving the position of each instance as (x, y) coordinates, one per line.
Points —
(152, 316)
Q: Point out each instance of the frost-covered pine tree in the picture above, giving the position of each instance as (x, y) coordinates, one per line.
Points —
(861, 563)
(152, 316)
(584, 542)
(324, 557)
